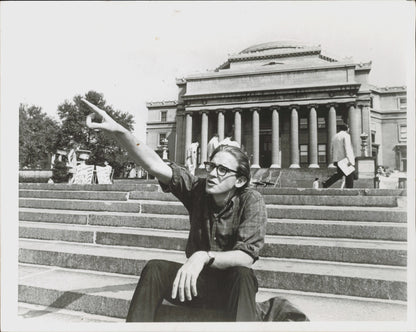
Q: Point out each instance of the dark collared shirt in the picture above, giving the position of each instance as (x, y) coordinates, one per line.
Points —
(240, 225)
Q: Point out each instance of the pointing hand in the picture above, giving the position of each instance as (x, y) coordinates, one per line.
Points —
(107, 123)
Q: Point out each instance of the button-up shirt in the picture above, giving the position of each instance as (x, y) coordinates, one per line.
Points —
(240, 225)
(342, 148)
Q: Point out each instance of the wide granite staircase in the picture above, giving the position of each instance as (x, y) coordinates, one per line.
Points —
(338, 255)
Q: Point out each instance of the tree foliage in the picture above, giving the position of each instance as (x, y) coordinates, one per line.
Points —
(75, 132)
(40, 136)
(37, 136)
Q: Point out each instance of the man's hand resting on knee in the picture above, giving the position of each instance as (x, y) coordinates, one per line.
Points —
(184, 284)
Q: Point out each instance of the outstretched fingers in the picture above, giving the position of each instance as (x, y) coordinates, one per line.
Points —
(97, 110)
(92, 125)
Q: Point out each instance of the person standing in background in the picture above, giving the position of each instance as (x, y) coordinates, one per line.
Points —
(212, 144)
(228, 140)
(341, 148)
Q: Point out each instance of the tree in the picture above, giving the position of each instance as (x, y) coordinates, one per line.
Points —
(37, 136)
(75, 132)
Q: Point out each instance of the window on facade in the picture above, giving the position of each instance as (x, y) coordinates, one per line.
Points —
(402, 102)
(402, 133)
(321, 122)
(162, 137)
(303, 151)
(373, 136)
(303, 123)
(163, 116)
(322, 153)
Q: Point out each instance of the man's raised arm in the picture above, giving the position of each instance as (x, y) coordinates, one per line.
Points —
(138, 151)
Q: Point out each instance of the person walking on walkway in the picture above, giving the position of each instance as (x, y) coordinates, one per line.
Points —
(227, 230)
(341, 148)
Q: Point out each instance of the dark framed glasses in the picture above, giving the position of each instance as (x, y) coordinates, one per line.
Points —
(221, 170)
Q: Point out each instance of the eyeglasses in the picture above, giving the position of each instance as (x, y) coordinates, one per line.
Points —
(221, 170)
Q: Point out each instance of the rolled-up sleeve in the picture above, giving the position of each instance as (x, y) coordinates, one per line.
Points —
(252, 227)
(181, 185)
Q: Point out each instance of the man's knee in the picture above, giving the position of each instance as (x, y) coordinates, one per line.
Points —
(243, 275)
(153, 267)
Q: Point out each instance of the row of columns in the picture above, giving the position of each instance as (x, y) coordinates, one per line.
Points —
(354, 123)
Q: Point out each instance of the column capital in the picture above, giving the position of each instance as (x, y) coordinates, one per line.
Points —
(203, 112)
(275, 107)
(329, 105)
(234, 110)
(294, 106)
(315, 106)
(253, 109)
(219, 111)
(352, 104)
(362, 104)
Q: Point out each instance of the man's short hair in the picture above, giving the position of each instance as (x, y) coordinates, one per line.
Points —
(342, 126)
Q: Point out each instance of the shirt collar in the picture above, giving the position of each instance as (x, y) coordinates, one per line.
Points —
(229, 205)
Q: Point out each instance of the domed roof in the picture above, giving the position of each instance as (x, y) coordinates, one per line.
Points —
(274, 45)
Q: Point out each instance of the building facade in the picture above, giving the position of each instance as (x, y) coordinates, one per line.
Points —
(161, 126)
(283, 101)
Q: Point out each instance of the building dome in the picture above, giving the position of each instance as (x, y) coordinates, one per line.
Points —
(274, 46)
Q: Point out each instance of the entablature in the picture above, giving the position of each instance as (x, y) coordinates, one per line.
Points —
(161, 104)
(271, 104)
(341, 90)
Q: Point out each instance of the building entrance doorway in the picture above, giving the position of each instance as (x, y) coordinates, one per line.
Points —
(265, 149)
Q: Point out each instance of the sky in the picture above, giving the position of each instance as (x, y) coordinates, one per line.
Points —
(132, 52)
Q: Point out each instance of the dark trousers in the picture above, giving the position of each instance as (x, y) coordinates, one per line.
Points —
(349, 181)
(232, 290)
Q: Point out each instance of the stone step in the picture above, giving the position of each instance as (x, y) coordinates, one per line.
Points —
(371, 230)
(123, 187)
(38, 315)
(328, 249)
(72, 194)
(74, 204)
(109, 295)
(331, 191)
(297, 227)
(352, 213)
(279, 199)
(364, 280)
(153, 186)
(335, 213)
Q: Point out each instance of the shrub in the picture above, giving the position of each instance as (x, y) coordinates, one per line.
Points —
(60, 172)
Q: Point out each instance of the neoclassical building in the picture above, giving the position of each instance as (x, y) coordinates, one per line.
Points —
(282, 101)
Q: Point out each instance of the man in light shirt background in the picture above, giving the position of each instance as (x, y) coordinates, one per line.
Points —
(341, 148)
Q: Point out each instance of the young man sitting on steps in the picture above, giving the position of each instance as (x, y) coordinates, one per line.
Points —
(228, 225)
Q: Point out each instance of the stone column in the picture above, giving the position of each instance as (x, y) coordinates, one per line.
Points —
(294, 139)
(188, 132)
(256, 139)
(332, 130)
(237, 126)
(355, 128)
(313, 138)
(221, 125)
(204, 138)
(366, 128)
(275, 139)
